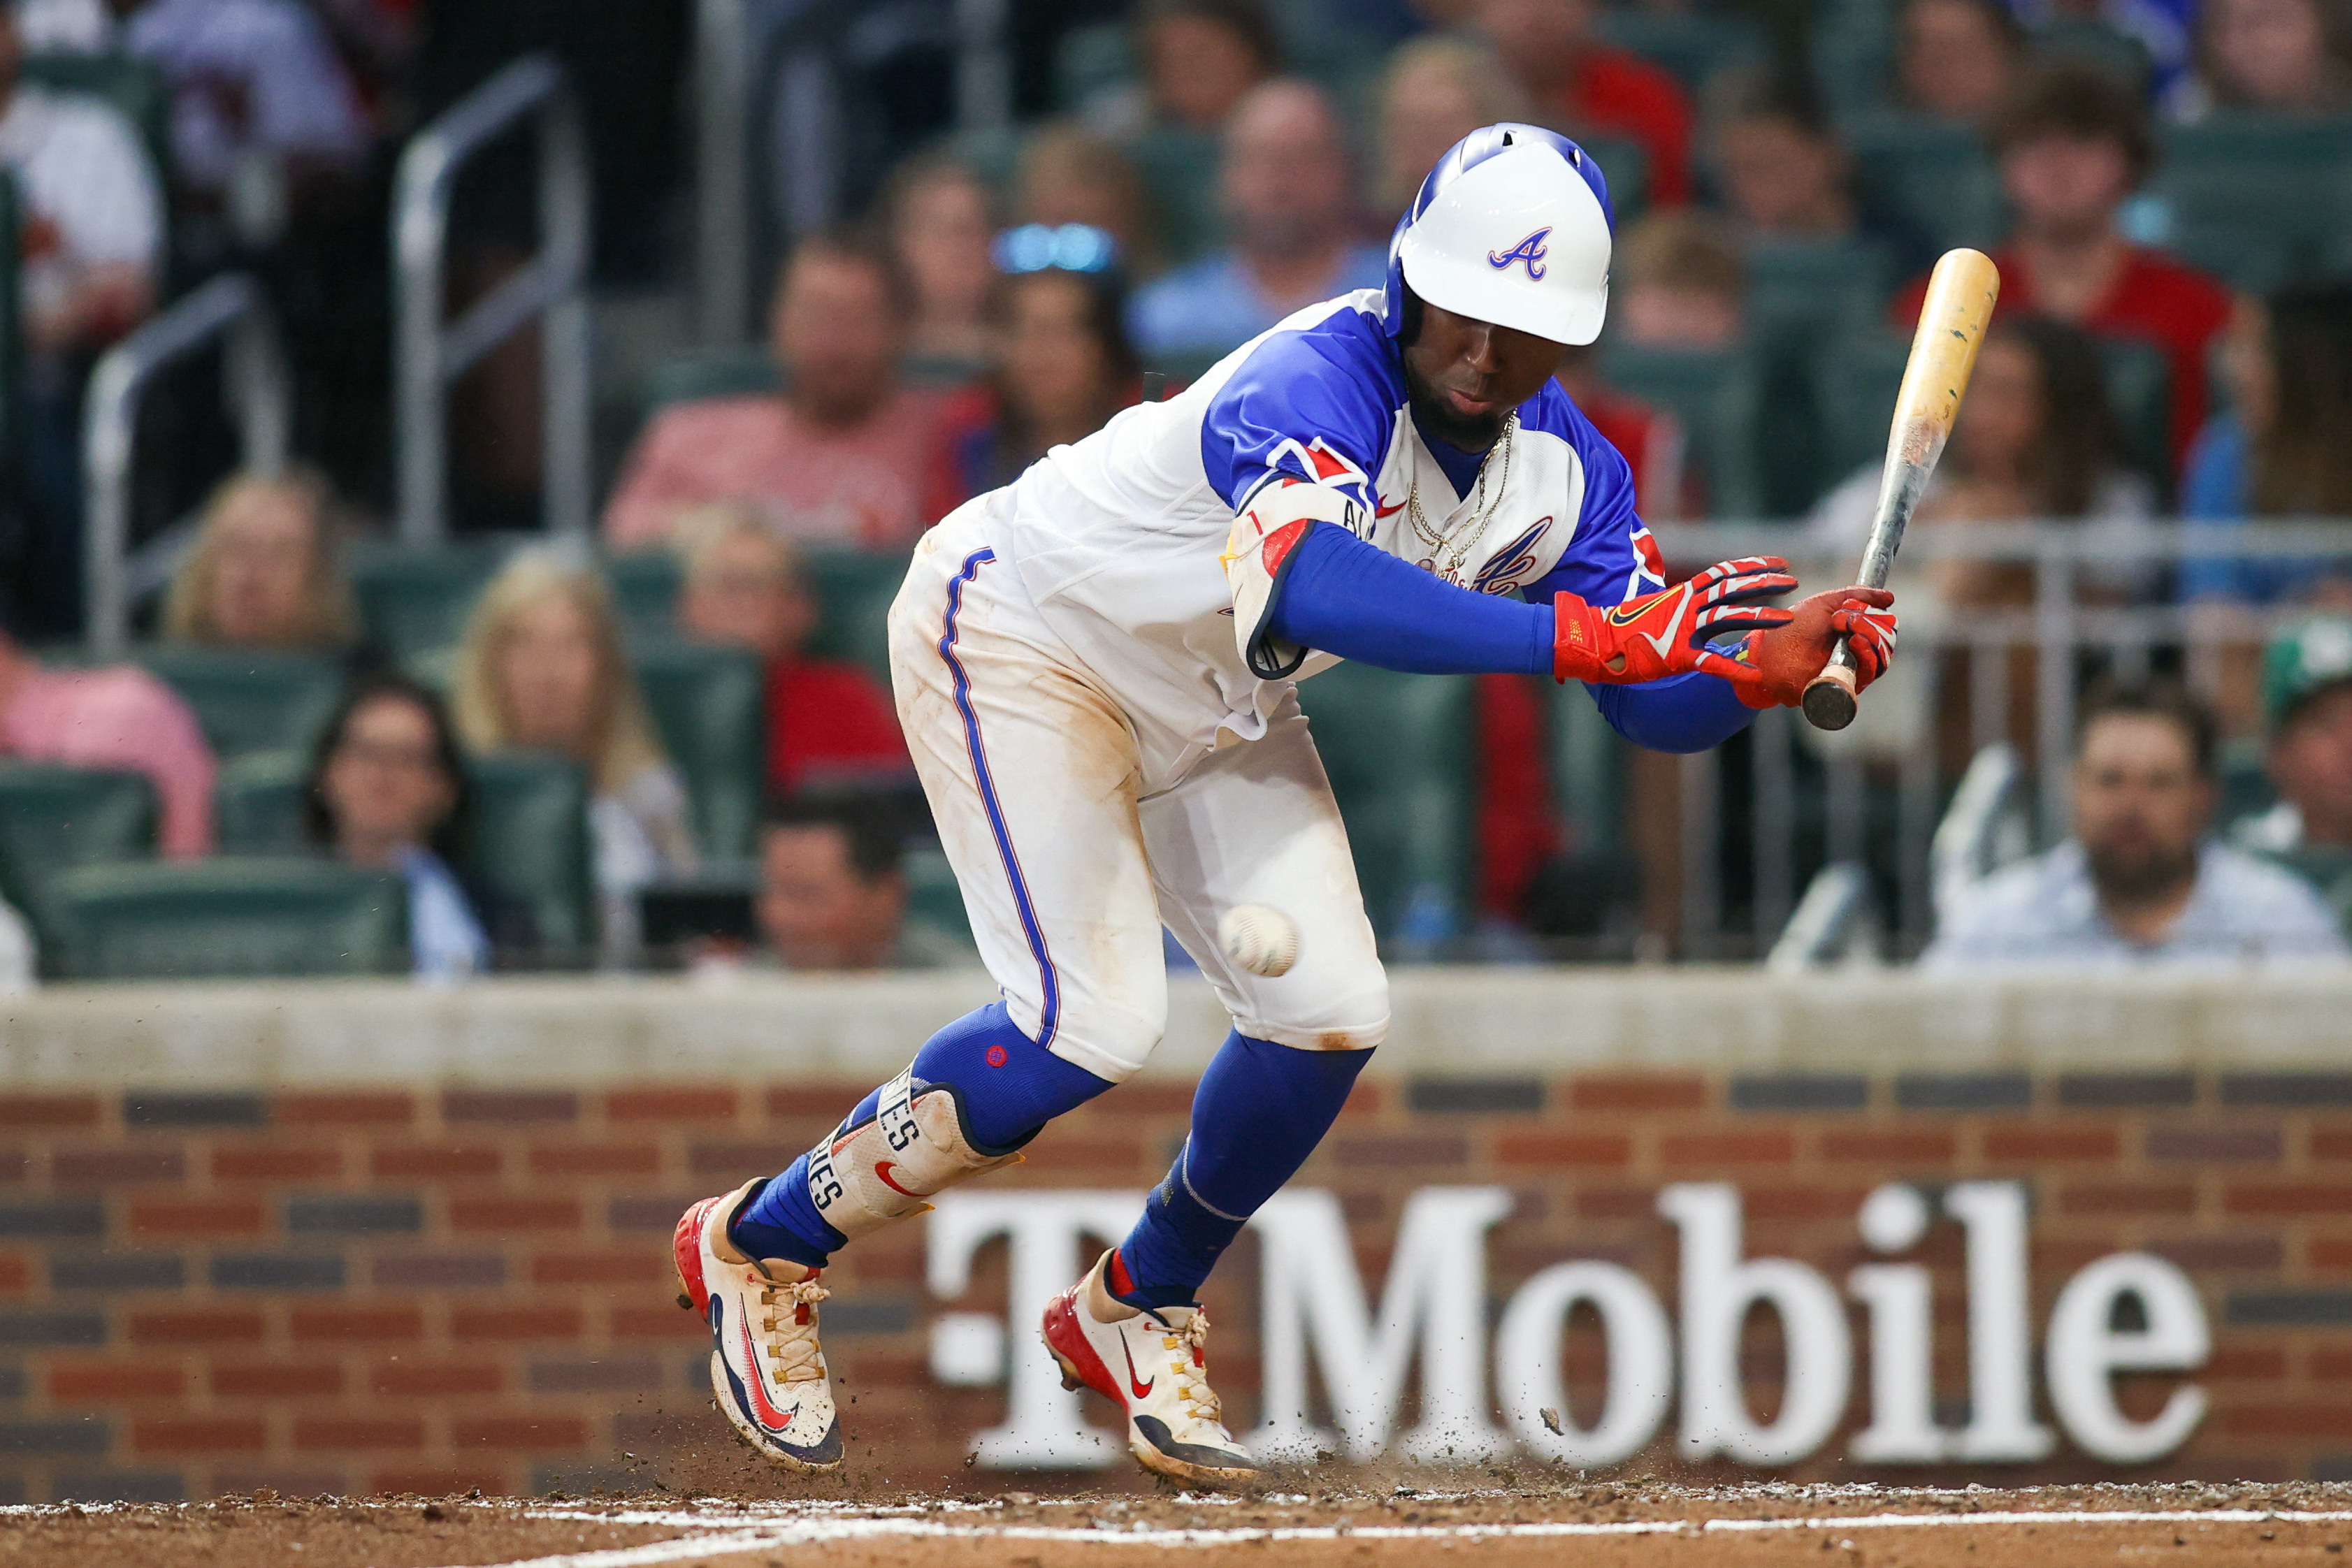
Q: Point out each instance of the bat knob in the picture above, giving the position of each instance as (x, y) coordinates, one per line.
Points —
(1829, 700)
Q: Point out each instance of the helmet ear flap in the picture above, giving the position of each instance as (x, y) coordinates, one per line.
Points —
(1409, 325)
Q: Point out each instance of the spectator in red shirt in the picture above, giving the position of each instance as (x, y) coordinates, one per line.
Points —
(1593, 88)
(2071, 145)
(828, 720)
(1549, 44)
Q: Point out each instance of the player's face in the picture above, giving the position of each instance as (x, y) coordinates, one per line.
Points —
(1465, 376)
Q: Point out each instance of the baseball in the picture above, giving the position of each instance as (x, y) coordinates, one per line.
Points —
(1260, 939)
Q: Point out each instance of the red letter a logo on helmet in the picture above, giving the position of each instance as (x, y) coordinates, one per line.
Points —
(1528, 253)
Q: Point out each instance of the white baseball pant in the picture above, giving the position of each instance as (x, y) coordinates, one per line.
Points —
(1077, 828)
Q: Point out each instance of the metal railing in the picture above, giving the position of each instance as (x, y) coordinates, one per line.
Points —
(231, 309)
(1851, 799)
(428, 355)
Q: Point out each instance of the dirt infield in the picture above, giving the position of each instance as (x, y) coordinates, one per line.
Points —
(1622, 1525)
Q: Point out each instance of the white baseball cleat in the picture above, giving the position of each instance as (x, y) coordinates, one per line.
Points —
(1154, 1362)
(765, 1365)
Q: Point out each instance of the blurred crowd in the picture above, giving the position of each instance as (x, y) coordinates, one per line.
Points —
(995, 299)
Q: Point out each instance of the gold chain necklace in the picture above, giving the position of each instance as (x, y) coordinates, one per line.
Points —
(1474, 527)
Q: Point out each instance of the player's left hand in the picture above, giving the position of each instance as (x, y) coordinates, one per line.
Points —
(1789, 657)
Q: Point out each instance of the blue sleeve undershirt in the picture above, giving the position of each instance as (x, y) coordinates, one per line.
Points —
(1340, 595)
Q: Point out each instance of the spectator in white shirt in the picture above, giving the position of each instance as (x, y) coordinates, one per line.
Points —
(92, 217)
(250, 79)
(92, 212)
(2138, 886)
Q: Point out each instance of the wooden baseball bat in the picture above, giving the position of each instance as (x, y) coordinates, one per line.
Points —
(1960, 295)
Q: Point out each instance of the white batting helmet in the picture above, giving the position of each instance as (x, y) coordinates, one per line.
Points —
(1512, 227)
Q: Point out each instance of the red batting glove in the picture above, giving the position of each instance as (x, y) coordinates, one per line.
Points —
(1666, 633)
(1788, 657)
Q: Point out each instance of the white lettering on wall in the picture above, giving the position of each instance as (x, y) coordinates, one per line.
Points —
(2085, 1350)
(1433, 1299)
(2129, 1313)
(1045, 1426)
(2001, 1429)
(1718, 1287)
(1899, 1299)
(1641, 1344)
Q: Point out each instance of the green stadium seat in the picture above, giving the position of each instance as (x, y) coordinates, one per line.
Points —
(250, 700)
(531, 842)
(710, 705)
(1717, 395)
(645, 586)
(2089, 41)
(1179, 169)
(258, 804)
(227, 917)
(933, 897)
(1855, 379)
(1832, 285)
(1588, 770)
(413, 602)
(53, 820)
(1853, 61)
(134, 87)
(2140, 395)
(856, 588)
(1399, 753)
(2232, 179)
(722, 373)
(1091, 59)
(1694, 45)
(1626, 166)
(1937, 176)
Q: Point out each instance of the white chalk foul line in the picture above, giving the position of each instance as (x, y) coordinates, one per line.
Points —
(715, 1537)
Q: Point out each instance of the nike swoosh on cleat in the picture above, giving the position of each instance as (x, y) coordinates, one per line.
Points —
(883, 1169)
(1141, 1390)
(755, 1383)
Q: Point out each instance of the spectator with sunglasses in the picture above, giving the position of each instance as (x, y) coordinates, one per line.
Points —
(1064, 367)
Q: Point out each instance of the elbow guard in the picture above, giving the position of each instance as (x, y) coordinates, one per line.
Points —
(1258, 552)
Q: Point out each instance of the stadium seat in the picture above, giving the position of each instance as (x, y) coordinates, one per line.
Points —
(1626, 166)
(531, 842)
(249, 700)
(856, 588)
(53, 820)
(226, 917)
(645, 586)
(933, 895)
(1588, 770)
(723, 372)
(1179, 169)
(1811, 286)
(1693, 45)
(710, 704)
(2090, 41)
(1400, 754)
(413, 602)
(1935, 174)
(1855, 382)
(1716, 394)
(2242, 175)
(2140, 395)
(258, 804)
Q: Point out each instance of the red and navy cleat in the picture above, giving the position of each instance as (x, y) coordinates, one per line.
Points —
(1154, 1362)
(765, 1363)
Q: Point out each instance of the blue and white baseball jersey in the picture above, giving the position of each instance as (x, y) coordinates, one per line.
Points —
(1123, 538)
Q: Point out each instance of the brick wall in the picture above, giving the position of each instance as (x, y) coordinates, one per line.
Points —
(387, 1289)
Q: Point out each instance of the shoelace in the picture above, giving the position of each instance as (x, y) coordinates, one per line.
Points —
(1190, 1345)
(789, 1337)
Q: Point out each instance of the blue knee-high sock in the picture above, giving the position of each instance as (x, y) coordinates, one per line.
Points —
(1009, 1085)
(1260, 1110)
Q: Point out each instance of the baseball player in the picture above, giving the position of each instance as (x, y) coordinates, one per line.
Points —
(1096, 667)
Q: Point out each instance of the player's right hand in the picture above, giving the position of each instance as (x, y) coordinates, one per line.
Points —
(1666, 632)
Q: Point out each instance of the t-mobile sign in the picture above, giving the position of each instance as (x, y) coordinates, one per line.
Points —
(2130, 1312)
